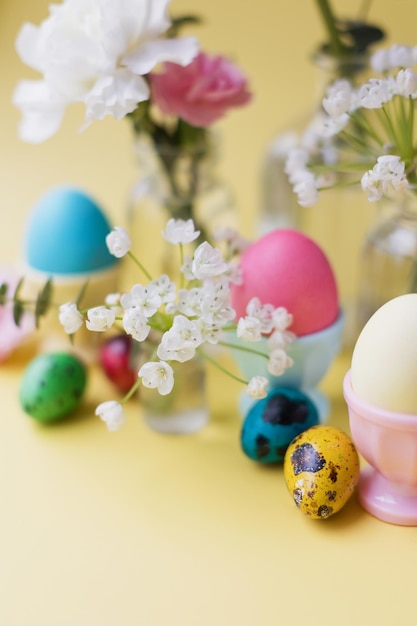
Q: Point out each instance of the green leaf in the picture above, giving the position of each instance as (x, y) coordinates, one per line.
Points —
(178, 22)
(18, 311)
(81, 293)
(3, 293)
(18, 288)
(43, 300)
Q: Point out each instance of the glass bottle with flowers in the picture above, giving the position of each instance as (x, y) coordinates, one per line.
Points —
(176, 327)
(178, 152)
(127, 60)
(344, 54)
(371, 132)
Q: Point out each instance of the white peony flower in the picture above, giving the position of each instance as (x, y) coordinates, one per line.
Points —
(157, 375)
(100, 319)
(111, 412)
(70, 317)
(118, 242)
(180, 231)
(96, 52)
(257, 387)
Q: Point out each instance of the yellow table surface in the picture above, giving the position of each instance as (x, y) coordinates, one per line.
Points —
(138, 528)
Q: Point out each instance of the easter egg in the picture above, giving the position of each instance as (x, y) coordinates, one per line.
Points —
(65, 234)
(52, 386)
(116, 361)
(384, 360)
(321, 470)
(286, 268)
(273, 422)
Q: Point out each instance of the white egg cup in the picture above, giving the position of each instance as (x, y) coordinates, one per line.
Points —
(312, 355)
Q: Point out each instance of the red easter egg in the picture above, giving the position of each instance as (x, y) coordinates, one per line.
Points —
(116, 361)
(286, 268)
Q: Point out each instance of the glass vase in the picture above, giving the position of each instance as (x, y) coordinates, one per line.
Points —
(184, 410)
(176, 182)
(389, 256)
(340, 219)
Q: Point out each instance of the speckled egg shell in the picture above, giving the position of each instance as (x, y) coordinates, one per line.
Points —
(321, 470)
(52, 386)
(273, 422)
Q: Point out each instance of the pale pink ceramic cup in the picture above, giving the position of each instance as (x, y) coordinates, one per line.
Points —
(388, 442)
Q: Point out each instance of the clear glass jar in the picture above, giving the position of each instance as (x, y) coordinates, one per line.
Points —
(342, 216)
(175, 182)
(389, 257)
(183, 411)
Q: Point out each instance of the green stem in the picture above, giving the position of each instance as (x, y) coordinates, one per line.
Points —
(181, 264)
(131, 391)
(221, 368)
(139, 264)
(232, 346)
(336, 45)
(367, 127)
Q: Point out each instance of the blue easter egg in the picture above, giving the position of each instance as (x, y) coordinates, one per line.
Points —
(273, 422)
(66, 232)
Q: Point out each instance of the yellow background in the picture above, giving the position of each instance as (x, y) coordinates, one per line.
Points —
(134, 528)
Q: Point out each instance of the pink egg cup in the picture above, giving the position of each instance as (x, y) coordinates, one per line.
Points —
(388, 442)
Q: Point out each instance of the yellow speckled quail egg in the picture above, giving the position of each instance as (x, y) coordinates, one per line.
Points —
(321, 470)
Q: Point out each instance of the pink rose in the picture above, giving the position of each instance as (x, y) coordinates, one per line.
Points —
(11, 335)
(201, 92)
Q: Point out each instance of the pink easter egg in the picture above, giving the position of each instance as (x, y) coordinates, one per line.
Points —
(286, 268)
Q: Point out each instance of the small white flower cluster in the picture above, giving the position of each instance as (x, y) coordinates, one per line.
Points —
(370, 127)
(185, 317)
(264, 319)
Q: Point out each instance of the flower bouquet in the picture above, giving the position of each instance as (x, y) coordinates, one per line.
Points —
(179, 323)
(127, 60)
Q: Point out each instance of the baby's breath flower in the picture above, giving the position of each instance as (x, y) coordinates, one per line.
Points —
(374, 121)
(388, 173)
(165, 288)
(157, 375)
(111, 412)
(249, 328)
(257, 387)
(135, 324)
(338, 99)
(281, 318)
(208, 262)
(180, 231)
(278, 362)
(306, 190)
(70, 317)
(146, 299)
(100, 318)
(118, 242)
